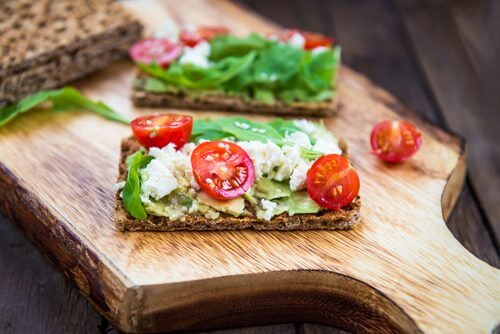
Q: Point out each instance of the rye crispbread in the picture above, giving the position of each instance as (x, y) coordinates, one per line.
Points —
(346, 218)
(45, 44)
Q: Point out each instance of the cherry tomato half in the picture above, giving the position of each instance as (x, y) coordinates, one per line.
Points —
(395, 141)
(191, 37)
(159, 130)
(159, 50)
(312, 39)
(332, 182)
(222, 169)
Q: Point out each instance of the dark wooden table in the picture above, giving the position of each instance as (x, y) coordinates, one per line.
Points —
(438, 57)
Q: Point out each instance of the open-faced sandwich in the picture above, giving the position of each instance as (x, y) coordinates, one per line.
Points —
(292, 72)
(234, 173)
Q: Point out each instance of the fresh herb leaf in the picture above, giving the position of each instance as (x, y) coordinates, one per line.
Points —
(245, 130)
(194, 77)
(63, 99)
(253, 67)
(278, 64)
(264, 95)
(131, 193)
(283, 126)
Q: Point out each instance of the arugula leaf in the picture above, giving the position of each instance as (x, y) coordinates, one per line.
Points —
(277, 64)
(253, 67)
(283, 126)
(63, 99)
(245, 130)
(194, 77)
(264, 95)
(232, 46)
(131, 193)
(207, 129)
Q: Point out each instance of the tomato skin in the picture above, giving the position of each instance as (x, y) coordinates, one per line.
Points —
(159, 130)
(159, 50)
(395, 141)
(312, 39)
(191, 37)
(222, 169)
(332, 182)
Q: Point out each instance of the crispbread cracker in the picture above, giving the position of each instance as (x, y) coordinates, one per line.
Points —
(346, 218)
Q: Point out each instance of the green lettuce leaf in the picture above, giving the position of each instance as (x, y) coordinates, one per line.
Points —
(231, 46)
(131, 193)
(253, 67)
(63, 99)
(194, 77)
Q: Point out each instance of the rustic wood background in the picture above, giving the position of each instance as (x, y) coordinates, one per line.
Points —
(437, 57)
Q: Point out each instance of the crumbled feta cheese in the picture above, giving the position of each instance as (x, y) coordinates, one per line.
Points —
(298, 177)
(191, 27)
(290, 162)
(269, 207)
(306, 126)
(325, 141)
(327, 146)
(157, 180)
(297, 40)
(298, 138)
(196, 55)
(168, 30)
(318, 49)
(168, 170)
(265, 156)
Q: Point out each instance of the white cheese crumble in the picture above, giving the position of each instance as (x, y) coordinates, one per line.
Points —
(297, 40)
(196, 55)
(298, 177)
(169, 170)
(168, 30)
(325, 141)
(298, 138)
(269, 207)
(318, 50)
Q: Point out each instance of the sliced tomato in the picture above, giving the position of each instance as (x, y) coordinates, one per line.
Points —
(332, 182)
(159, 130)
(312, 39)
(395, 141)
(192, 37)
(222, 169)
(159, 50)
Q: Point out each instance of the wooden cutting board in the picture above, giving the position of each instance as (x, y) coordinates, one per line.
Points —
(400, 271)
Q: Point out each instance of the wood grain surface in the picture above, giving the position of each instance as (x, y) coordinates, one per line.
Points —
(403, 251)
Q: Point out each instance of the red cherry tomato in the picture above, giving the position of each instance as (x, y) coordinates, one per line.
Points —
(191, 37)
(312, 39)
(159, 50)
(159, 130)
(222, 169)
(332, 182)
(395, 141)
